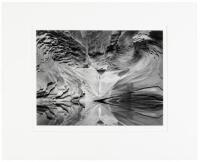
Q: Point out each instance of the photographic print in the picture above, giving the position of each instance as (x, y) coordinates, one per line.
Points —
(99, 78)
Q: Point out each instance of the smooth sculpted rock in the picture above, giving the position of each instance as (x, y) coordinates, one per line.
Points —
(99, 77)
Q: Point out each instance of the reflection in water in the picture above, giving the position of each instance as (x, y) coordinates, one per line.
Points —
(136, 108)
(99, 78)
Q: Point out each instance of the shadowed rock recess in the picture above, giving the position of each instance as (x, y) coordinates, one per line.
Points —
(99, 77)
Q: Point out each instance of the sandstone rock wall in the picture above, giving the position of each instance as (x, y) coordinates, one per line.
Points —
(99, 77)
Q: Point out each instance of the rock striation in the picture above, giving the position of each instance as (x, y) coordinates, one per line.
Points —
(99, 77)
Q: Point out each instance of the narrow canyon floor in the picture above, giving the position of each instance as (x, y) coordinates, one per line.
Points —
(99, 77)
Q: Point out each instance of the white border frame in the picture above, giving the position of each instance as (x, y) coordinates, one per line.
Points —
(168, 143)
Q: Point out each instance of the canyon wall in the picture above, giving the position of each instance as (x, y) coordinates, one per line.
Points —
(99, 77)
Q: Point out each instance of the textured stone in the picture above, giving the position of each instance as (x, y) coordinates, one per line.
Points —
(99, 77)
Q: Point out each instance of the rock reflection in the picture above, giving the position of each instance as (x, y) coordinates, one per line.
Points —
(99, 78)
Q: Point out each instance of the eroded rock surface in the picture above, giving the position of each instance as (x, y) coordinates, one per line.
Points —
(99, 77)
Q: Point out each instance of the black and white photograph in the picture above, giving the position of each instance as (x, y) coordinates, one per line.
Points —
(99, 77)
(99, 80)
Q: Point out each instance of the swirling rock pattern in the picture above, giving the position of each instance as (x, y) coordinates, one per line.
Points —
(99, 77)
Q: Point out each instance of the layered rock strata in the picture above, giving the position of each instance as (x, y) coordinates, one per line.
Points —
(99, 77)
